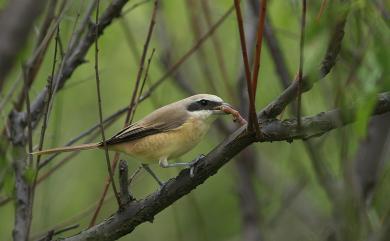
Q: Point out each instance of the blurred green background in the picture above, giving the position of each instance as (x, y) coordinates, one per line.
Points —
(291, 203)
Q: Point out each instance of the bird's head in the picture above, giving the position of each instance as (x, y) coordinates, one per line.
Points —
(204, 106)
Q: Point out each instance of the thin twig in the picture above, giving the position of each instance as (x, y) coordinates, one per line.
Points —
(131, 178)
(53, 232)
(252, 109)
(107, 122)
(45, 119)
(75, 58)
(76, 36)
(130, 110)
(301, 46)
(100, 106)
(10, 93)
(142, 61)
(34, 63)
(134, 6)
(28, 111)
(192, 50)
(202, 58)
(49, 86)
(218, 51)
(142, 85)
(322, 9)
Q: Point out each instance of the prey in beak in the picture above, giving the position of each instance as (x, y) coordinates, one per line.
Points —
(221, 108)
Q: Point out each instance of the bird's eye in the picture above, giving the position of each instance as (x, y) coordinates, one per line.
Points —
(203, 102)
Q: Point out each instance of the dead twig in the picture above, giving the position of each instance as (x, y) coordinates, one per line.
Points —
(192, 50)
(131, 110)
(110, 172)
(322, 9)
(53, 232)
(202, 59)
(49, 86)
(134, 6)
(217, 48)
(142, 85)
(123, 182)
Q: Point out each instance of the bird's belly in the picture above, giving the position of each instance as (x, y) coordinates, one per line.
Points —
(170, 144)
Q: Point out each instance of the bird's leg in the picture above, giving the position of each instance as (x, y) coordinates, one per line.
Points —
(147, 168)
(164, 163)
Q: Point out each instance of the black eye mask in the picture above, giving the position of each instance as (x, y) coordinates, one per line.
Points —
(203, 105)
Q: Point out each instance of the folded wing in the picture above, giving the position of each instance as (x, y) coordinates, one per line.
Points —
(161, 120)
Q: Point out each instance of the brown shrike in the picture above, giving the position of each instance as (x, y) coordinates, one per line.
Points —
(164, 134)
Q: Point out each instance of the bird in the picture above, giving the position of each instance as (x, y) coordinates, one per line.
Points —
(166, 133)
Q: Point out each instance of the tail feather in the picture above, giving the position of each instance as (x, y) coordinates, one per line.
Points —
(67, 149)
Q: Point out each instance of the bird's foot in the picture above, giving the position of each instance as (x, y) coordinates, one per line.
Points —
(192, 164)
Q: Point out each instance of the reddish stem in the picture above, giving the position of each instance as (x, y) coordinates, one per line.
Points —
(252, 108)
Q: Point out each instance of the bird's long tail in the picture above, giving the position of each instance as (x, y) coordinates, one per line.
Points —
(67, 149)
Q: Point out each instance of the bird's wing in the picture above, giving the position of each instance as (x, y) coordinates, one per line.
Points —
(161, 120)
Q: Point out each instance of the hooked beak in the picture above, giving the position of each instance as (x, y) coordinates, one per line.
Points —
(220, 109)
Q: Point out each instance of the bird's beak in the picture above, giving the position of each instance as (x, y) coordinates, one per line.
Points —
(220, 109)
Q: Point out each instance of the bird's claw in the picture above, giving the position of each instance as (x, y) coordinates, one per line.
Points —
(192, 164)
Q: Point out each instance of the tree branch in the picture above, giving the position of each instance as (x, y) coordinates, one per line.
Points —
(76, 57)
(137, 212)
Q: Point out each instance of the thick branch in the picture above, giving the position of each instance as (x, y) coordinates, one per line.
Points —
(144, 210)
(76, 57)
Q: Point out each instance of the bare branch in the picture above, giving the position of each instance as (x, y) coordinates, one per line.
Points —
(131, 109)
(217, 48)
(202, 58)
(100, 107)
(76, 57)
(142, 61)
(49, 26)
(192, 50)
